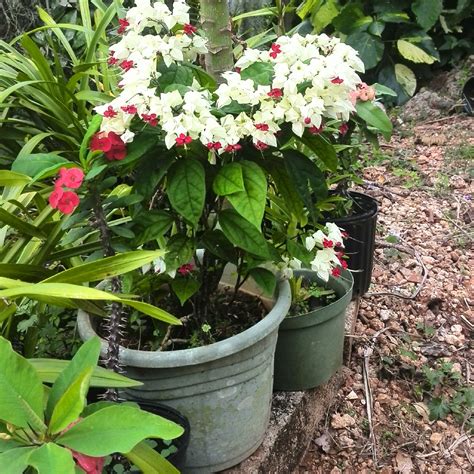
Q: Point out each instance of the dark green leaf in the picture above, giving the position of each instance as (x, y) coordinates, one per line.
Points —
(217, 243)
(375, 117)
(265, 279)
(184, 288)
(260, 73)
(242, 233)
(229, 180)
(370, 47)
(427, 12)
(152, 225)
(187, 189)
(323, 149)
(34, 164)
(439, 409)
(19, 224)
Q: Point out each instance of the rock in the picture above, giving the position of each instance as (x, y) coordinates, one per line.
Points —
(385, 314)
(403, 463)
(352, 395)
(339, 421)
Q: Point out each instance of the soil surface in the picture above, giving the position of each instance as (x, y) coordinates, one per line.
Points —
(408, 404)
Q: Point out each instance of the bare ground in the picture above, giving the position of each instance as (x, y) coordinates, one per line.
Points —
(412, 411)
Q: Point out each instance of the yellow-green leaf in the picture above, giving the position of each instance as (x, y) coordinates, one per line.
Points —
(414, 53)
(406, 78)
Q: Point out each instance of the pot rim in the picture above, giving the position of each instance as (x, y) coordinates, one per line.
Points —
(203, 354)
(370, 211)
(324, 313)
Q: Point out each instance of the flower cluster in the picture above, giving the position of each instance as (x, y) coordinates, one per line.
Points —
(327, 245)
(363, 93)
(300, 81)
(66, 201)
(111, 144)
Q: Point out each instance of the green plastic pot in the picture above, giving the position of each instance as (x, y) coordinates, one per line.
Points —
(310, 346)
(224, 389)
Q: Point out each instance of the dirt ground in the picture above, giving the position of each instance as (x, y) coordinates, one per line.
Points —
(408, 404)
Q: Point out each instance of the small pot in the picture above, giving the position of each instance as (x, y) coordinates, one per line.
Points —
(310, 346)
(360, 246)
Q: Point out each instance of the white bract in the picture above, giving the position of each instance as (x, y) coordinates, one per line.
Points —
(300, 80)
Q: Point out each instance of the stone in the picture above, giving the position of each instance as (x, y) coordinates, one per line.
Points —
(436, 438)
(339, 421)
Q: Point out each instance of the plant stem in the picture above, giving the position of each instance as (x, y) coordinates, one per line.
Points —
(115, 318)
(216, 23)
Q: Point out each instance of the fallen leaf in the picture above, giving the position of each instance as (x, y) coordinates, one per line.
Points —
(324, 442)
(422, 410)
(403, 463)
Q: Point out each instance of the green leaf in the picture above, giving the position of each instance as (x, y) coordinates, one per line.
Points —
(309, 180)
(406, 78)
(414, 53)
(438, 409)
(152, 311)
(374, 116)
(49, 370)
(106, 267)
(21, 391)
(187, 189)
(154, 224)
(323, 149)
(149, 461)
(86, 357)
(25, 272)
(250, 203)
(376, 28)
(72, 402)
(117, 429)
(323, 16)
(427, 12)
(92, 129)
(19, 224)
(395, 17)
(229, 180)
(36, 163)
(217, 243)
(175, 74)
(51, 458)
(265, 279)
(242, 233)
(184, 288)
(267, 11)
(10, 178)
(384, 90)
(15, 461)
(369, 47)
(261, 73)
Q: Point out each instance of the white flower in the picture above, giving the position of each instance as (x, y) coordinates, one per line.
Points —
(335, 234)
(316, 239)
(323, 263)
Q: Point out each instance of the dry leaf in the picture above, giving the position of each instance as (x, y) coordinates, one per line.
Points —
(324, 442)
(422, 410)
(403, 463)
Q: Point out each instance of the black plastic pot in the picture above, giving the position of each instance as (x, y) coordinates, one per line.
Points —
(178, 459)
(360, 245)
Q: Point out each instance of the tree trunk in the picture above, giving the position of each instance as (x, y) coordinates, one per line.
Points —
(215, 21)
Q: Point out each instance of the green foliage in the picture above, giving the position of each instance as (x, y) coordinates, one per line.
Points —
(41, 435)
(397, 39)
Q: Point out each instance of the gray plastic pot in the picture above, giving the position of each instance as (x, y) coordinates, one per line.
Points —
(224, 389)
(310, 346)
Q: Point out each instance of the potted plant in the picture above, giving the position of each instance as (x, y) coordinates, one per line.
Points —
(353, 211)
(196, 162)
(52, 429)
(311, 338)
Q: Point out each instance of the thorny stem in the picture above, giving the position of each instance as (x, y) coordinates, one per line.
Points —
(115, 318)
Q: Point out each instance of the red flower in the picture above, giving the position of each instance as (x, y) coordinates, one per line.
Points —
(237, 69)
(336, 272)
(345, 234)
(214, 145)
(55, 197)
(315, 130)
(343, 129)
(68, 201)
(71, 178)
(275, 50)
(150, 119)
(112, 61)
(261, 126)
(110, 112)
(185, 269)
(260, 145)
(328, 244)
(233, 148)
(307, 120)
(123, 25)
(183, 139)
(275, 93)
(126, 65)
(129, 109)
(189, 29)
(343, 264)
(337, 80)
(111, 145)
